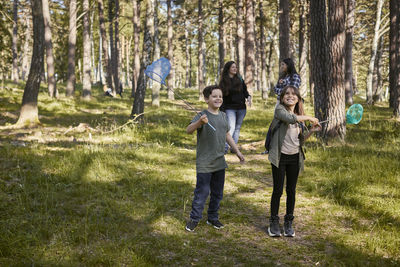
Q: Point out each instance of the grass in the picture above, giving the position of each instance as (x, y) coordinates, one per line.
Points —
(72, 196)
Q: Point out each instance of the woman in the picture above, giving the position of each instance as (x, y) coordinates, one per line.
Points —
(286, 155)
(288, 76)
(235, 95)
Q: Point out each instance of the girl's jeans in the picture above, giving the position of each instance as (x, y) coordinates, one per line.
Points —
(208, 182)
(288, 164)
(235, 118)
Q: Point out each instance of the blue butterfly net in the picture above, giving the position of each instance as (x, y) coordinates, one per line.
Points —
(158, 70)
(354, 114)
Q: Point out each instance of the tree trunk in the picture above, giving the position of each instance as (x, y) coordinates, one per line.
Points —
(303, 48)
(240, 37)
(284, 29)
(187, 48)
(26, 52)
(104, 44)
(348, 84)
(138, 103)
(29, 110)
(15, 74)
(70, 89)
(374, 49)
(376, 75)
(86, 85)
(51, 81)
(200, 67)
(250, 46)
(335, 93)
(221, 37)
(170, 33)
(393, 57)
(263, 80)
(319, 56)
(136, 39)
(394, 72)
(116, 61)
(155, 96)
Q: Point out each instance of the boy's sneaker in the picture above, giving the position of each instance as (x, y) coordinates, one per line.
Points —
(215, 223)
(288, 229)
(273, 229)
(191, 225)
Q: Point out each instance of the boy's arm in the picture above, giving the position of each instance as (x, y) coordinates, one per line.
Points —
(197, 124)
(232, 144)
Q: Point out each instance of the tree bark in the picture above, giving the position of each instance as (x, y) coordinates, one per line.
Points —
(70, 89)
(86, 85)
(200, 67)
(240, 37)
(374, 49)
(116, 57)
(335, 93)
(263, 80)
(15, 72)
(393, 58)
(394, 72)
(348, 84)
(51, 81)
(138, 103)
(155, 96)
(284, 29)
(170, 33)
(187, 48)
(377, 75)
(303, 48)
(26, 52)
(136, 39)
(221, 37)
(319, 56)
(29, 111)
(250, 46)
(104, 44)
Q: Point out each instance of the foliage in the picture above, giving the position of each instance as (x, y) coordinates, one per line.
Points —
(72, 197)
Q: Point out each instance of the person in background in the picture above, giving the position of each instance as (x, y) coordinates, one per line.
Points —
(288, 76)
(235, 95)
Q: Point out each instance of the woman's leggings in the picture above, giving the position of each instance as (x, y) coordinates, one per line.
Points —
(289, 165)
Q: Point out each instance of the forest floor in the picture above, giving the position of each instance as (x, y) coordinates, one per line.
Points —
(80, 191)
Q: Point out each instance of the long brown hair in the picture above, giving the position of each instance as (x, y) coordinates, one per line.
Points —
(298, 109)
(226, 83)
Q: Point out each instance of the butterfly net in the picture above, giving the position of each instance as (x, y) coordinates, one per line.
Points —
(158, 70)
(354, 114)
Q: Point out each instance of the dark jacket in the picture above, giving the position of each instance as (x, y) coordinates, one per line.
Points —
(235, 99)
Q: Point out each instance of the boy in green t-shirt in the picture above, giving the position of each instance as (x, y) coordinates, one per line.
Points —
(212, 132)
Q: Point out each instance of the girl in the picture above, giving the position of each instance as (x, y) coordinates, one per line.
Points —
(235, 95)
(288, 76)
(286, 155)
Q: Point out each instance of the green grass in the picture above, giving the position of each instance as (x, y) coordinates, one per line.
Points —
(70, 198)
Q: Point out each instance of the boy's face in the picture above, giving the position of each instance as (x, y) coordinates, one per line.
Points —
(214, 101)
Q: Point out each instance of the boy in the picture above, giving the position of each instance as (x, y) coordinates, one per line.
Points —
(210, 160)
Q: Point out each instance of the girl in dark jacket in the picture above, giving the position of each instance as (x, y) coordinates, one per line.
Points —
(235, 95)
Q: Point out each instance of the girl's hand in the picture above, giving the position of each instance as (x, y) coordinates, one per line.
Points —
(316, 127)
(313, 120)
(249, 101)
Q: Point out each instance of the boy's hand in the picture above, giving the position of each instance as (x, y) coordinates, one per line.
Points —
(203, 119)
(240, 156)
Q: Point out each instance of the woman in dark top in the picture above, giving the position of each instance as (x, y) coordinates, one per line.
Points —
(235, 95)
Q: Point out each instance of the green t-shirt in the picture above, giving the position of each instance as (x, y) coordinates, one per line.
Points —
(211, 144)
